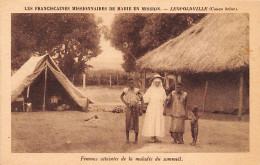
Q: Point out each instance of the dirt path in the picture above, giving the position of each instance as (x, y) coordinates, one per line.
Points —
(68, 132)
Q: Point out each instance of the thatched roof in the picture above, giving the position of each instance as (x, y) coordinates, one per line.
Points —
(219, 42)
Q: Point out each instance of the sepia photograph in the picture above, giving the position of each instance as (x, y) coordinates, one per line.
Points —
(130, 83)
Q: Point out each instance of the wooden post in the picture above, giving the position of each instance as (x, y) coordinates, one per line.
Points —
(175, 81)
(205, 96)
(84, 81)
(117, 79)
(44, 91)
(240, 102)
(179, 78)
(143, 80)
(166, 80)
(110, 80)
(28, 91)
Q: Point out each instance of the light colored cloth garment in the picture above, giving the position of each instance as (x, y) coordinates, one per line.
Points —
(177, 125)
(178, 104)
(178, 112)
(132, 96)
(154, 122)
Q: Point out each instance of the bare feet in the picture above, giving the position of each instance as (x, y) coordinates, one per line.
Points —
(152, 140)
(156, 140)
(193, 144)
(175, 142)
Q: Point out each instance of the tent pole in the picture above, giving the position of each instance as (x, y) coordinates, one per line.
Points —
(204, 96)
(240, 104)
(28, 91)
(44, 92)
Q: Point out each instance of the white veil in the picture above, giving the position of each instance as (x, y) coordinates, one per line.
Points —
(156, 93)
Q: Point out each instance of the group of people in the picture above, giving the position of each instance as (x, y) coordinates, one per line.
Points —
(158, 102)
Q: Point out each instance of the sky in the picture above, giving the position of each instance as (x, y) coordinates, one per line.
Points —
(110, 58)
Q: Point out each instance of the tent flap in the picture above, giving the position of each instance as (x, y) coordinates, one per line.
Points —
(29, 72)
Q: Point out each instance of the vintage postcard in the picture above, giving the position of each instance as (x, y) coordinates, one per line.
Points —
(129, 82)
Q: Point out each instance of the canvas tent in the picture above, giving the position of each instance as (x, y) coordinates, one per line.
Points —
(212, 59)
(44, 79)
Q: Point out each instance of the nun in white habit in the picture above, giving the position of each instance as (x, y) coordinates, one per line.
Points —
(154, 122)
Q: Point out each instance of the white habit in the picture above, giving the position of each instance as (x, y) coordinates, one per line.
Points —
(154, 122)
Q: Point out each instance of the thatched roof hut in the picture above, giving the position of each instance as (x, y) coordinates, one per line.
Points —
(212, 58)
(219, 42)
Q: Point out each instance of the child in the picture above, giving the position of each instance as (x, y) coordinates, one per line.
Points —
(194, 125)
(131, 97)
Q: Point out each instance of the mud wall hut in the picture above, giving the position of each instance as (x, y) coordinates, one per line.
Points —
(212, 59)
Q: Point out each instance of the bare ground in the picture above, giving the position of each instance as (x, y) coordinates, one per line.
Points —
(67, 131)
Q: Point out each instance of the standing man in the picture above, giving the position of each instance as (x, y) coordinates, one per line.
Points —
(178, 112)
(131, 97)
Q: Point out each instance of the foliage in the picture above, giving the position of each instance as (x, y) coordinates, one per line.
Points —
(72, 39)
(136, 34)
(125, 37)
